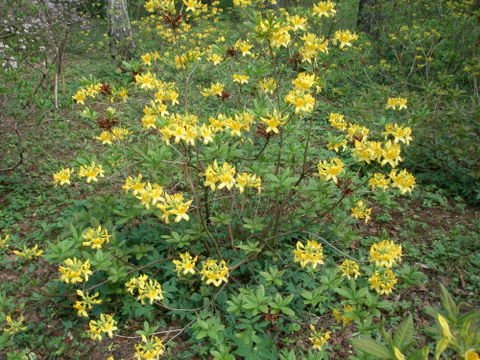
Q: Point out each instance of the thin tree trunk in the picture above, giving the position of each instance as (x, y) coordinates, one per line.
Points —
(120, 30)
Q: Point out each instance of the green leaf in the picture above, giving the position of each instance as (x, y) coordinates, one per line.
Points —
(442, 345)
(371, 347)
(404, 334)
(448, 303)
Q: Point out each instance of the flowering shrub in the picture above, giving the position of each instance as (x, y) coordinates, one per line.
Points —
(235, 155)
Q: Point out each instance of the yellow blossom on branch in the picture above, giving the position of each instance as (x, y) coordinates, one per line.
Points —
(383, 281)
(330, 170)
(310, 254)
(62, 177)
(385, 253)
(91, 172)
(74, 271)
(214, 272)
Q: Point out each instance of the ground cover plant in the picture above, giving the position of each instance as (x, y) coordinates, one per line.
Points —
(234, 192)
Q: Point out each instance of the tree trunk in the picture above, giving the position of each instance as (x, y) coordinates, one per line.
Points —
(364, 17)
(120, 30)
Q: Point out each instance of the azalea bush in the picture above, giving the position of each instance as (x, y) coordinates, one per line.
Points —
(227, 205)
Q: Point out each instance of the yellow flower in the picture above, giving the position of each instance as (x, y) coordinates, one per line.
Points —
(241, 79)
(345, 38)
(329, 170)
(471, 355)
(186, 264)
(74, 271)
(324, 8)
(192, 5)
(304, 81)
(337, 144)
(404, 181)
(385, 253)
(120, 133)
(146, 59)
(268, 85)
(312, 46)
(149, 349)
(215, 59)
(244, 47)
(95, 238)
(28, 253)
(350, 269)
(379, 181)
(80, 97)
(147, 289)
(297, 22)
(91, 172)
(337, 121)
(62, 177)
(402, 134)
(303, 102)
(215, 89)
(396, 103)
(357, 132)
(105, 137)
(134, 184)
(273, 121)
(383, 282)
(224, 175)
(391, 154)
(246, 180)
(105, 325)
(310, 253)
(360, 211)
(280, 36)
(318, 339)
(86, 303)
(214, 272)
(14, 326)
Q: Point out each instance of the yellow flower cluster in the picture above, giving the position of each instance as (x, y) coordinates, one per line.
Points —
(219, 177)
(74, 271)
(344, 38)
(329, 170)
(214, 272)
(268, 85)
(105, 325)
(379, 180)
(147, 289)
(337, 121)
(241, 79)
(318, 339)
(215, 89)
(397, 103)
(312, 46)
(92, 172)
(149, 348)
(62, 177)
(324, 8)
(361, 211)
(153, 195)
(95, 238)
(404, 181)
(147, 58)
(310, 253)
(300, 96)
(28, 253)
(273, 121)
(399, 133)
(116, 134)
(186, 264)
(14, 326)
(383, 281)
(86, 303)
(90, 91)
(385, 253)
(167, 6)
(350, 269)
(244, 47)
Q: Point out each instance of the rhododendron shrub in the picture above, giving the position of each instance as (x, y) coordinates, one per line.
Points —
(234, 187)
